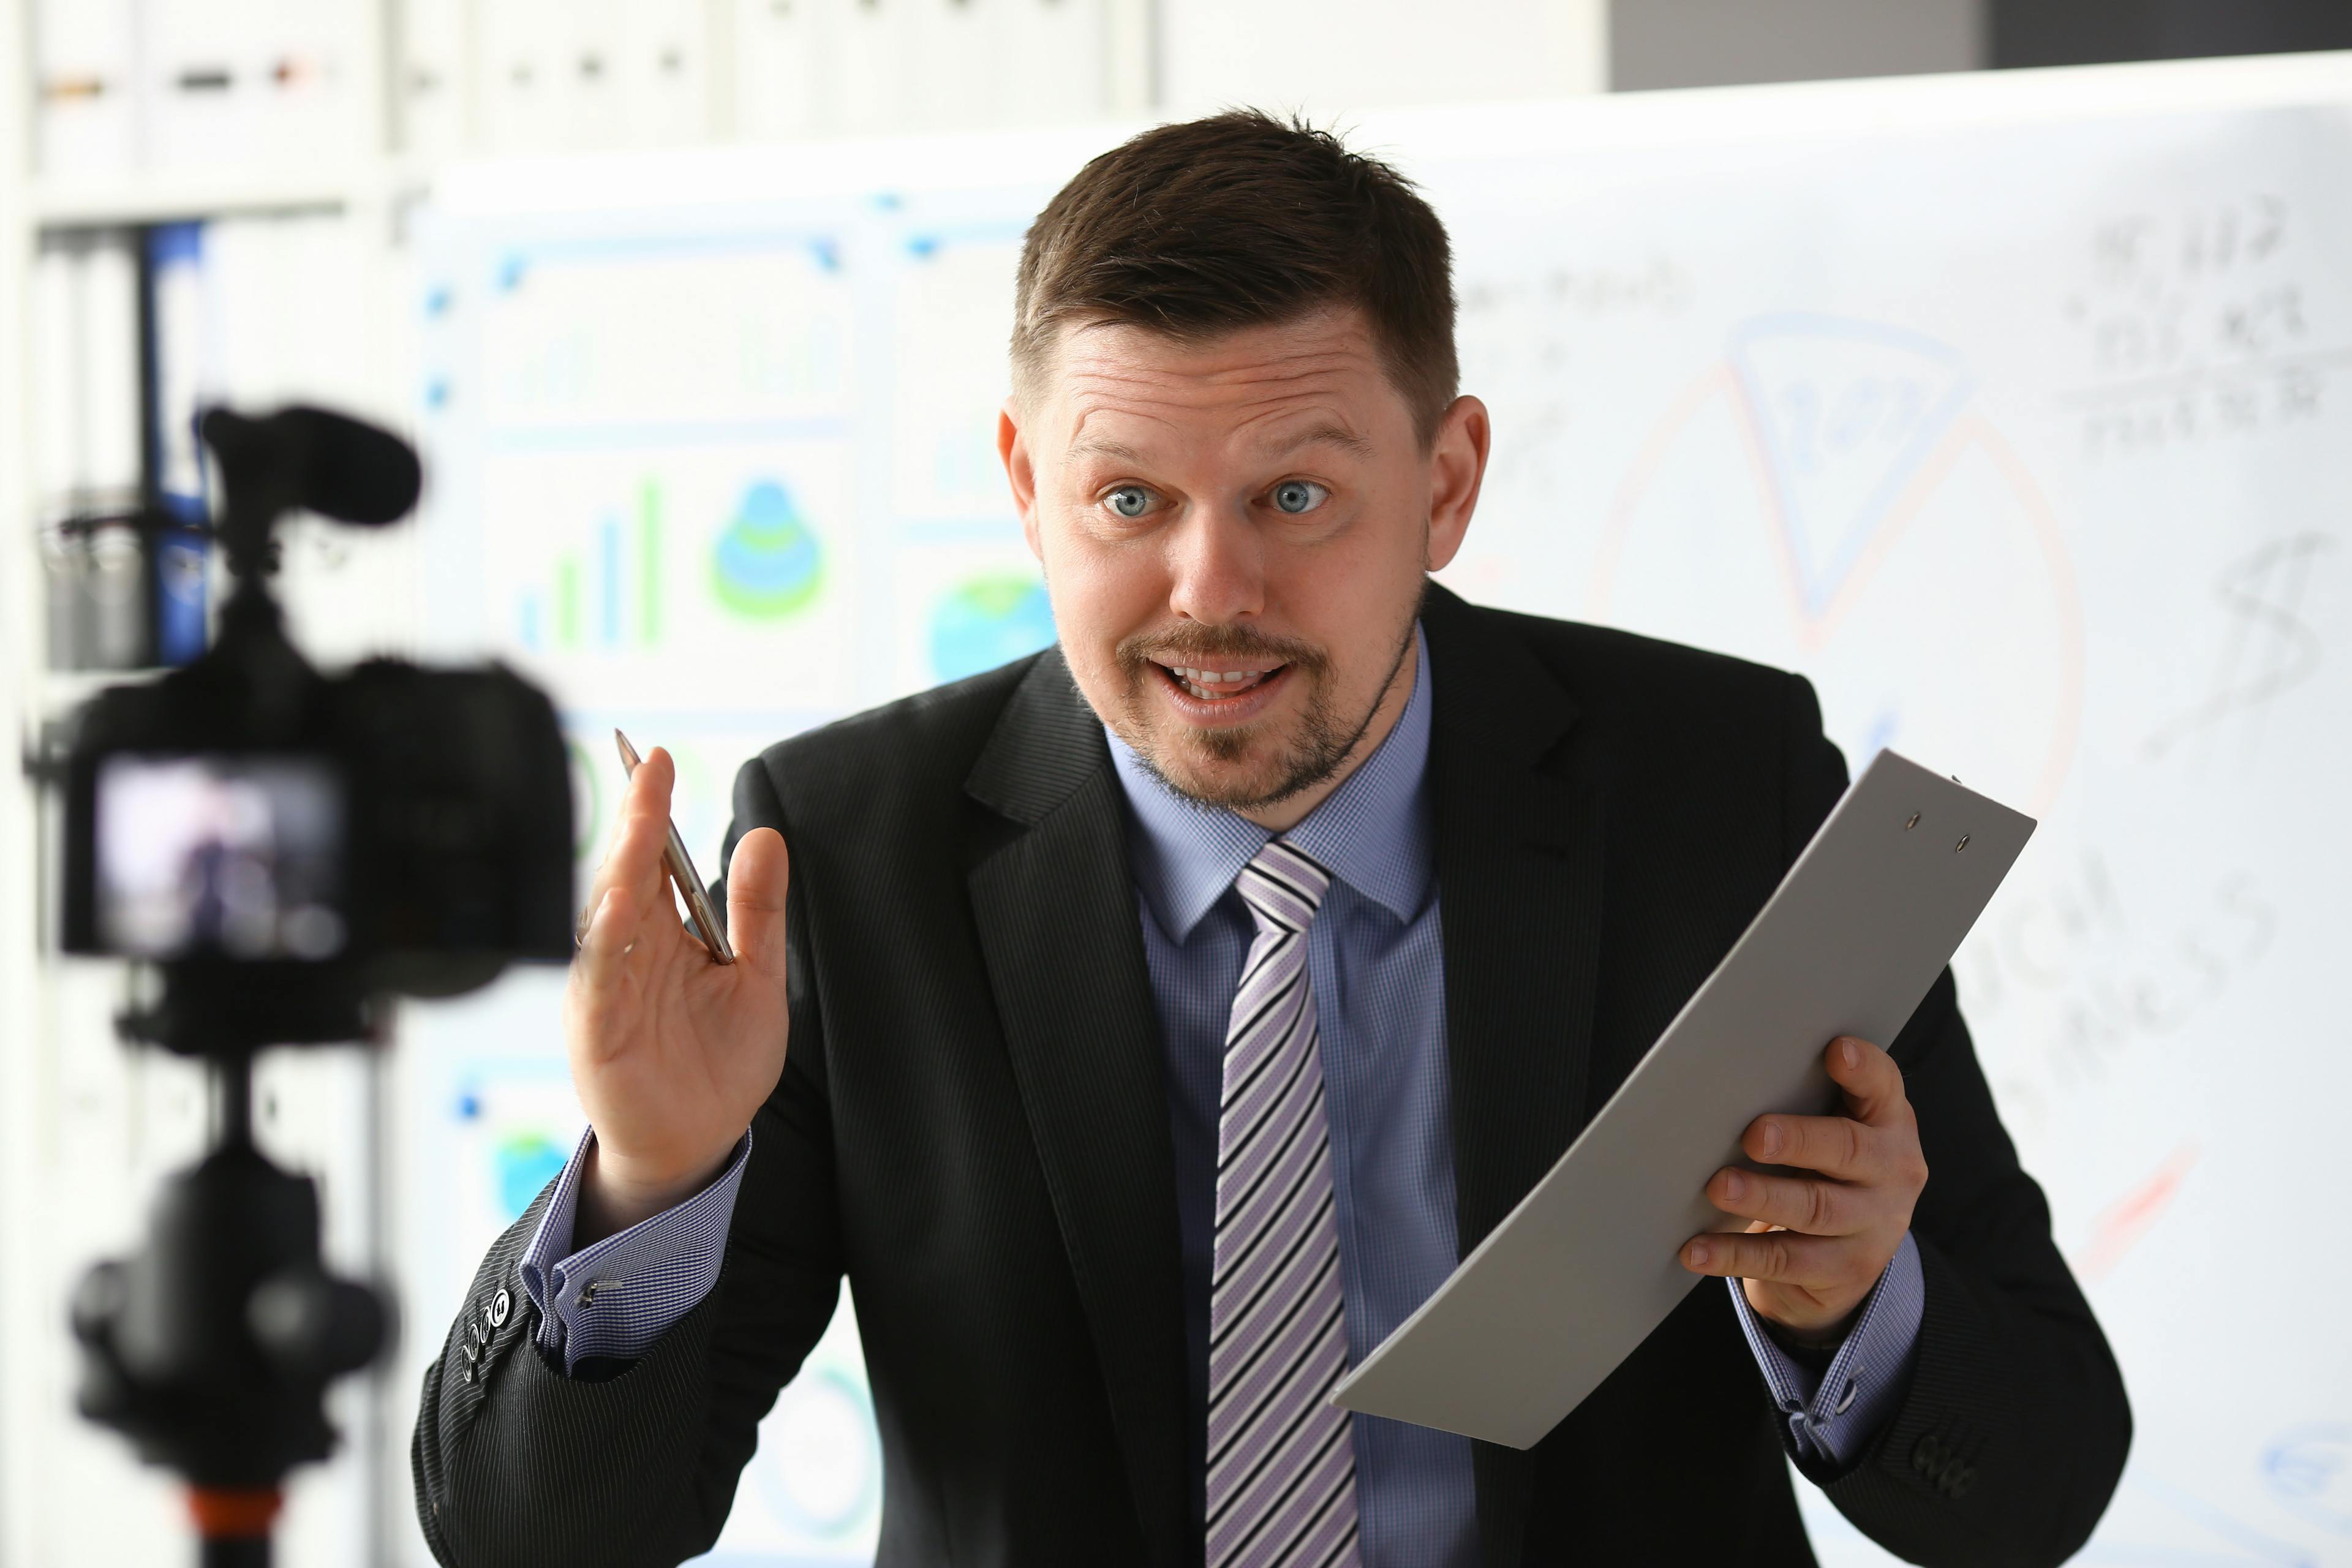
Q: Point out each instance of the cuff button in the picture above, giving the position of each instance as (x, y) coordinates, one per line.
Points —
(500, 1305)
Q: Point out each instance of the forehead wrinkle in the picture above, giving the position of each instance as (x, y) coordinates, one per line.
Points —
(1261, 430)
(1283, 370)
(1281, 401)
(1257, 389)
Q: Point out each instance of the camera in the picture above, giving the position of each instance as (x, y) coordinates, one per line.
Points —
(287, 845)
(286, 849)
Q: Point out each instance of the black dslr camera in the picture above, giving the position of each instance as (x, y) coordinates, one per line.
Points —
(286, 849)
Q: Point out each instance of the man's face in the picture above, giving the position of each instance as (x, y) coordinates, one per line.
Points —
(1235, 536)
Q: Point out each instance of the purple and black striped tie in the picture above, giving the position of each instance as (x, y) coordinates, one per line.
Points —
(1282, 1466)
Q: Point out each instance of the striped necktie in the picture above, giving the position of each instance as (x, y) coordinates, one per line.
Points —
(1282, 1467)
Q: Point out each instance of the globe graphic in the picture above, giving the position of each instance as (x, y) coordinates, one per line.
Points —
(768, 563)
(986, 621)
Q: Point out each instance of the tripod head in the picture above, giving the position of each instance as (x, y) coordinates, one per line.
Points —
(212, 1347)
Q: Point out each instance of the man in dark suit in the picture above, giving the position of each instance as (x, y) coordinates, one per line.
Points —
(1146, 1027)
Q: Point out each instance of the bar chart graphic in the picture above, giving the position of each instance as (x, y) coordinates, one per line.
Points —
(607, 591)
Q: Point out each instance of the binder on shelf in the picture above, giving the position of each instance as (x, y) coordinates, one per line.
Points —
(952, 57)
(776, 47)
(86, 99)
(203, 80)
(431, 81)
(104, 373)
(55, 350)
(663, 73)
(868, 48)
(181, 379)
(527, 63)
(176, 285)
(1055, 63)
(85, 459)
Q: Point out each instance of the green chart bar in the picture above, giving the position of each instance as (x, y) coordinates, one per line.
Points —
(649, 528)
(567, 602)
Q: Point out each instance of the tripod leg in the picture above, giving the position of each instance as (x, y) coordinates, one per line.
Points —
(233, 1526)
(234, 1551)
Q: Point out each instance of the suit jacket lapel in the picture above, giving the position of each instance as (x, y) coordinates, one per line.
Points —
(1518, 848)
(1055, 903)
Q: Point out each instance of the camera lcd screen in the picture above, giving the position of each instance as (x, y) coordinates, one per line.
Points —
(234, 855)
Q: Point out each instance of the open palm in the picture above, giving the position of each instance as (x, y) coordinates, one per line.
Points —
(672, 1052)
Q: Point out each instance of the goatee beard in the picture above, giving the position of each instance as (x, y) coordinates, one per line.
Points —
(1323, 742)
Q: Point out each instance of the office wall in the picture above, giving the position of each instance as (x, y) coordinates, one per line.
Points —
(1719, 43)
(1336, 56)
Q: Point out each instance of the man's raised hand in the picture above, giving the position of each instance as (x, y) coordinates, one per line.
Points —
(671, 1053)
(1819, 1238)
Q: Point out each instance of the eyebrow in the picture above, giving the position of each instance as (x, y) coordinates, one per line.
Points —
(1096, 446)
(1329, 433)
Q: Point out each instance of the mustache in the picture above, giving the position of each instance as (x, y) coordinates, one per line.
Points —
(1192, 643)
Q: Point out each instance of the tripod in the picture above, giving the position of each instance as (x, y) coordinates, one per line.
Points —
(212, 1348)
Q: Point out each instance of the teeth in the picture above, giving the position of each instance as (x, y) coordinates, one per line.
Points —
(1212, 685)
(1209, 685)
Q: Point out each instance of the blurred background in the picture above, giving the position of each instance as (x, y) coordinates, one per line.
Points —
(2014, 405)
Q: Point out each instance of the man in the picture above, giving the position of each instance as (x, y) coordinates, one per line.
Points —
(1151, 1024)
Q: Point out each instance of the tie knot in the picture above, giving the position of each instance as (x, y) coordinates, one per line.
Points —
(1283, 886)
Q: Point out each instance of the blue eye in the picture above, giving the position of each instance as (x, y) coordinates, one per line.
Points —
(1296, 496)
(1130, 500)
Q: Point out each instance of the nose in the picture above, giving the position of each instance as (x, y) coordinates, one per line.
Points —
(1217, 567)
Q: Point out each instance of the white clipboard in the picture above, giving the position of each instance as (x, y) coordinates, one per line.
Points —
(1576, 1276)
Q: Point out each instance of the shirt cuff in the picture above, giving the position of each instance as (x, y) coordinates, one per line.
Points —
(617, 1297)
(1834, 1413)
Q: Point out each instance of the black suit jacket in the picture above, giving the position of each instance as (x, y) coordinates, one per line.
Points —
(972, 1128)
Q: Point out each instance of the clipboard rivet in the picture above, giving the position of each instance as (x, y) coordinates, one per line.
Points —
(1963, 843)
(1912, 822)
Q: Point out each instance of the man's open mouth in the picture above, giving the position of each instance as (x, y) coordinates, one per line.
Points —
(1213, 684)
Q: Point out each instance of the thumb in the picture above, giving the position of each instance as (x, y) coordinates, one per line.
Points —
(757, 879)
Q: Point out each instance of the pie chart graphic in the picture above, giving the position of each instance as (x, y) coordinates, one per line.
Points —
(768, 565)
(1829, 497)
(989, 620)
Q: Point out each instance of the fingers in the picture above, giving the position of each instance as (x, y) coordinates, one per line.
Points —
(640, 829)
(1873, 1083)
(640, 835)
(1778, 1257)
(1836, 1146)
(1858, 1147)
(757, 879)
(1816, 1208)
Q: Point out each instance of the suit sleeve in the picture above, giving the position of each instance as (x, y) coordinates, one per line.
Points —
(2011, 1433)
(517, 1465)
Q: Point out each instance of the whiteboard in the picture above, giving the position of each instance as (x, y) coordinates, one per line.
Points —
(2032, 445)
(2013, 409)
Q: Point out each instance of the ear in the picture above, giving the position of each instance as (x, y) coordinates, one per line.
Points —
(1021, 471)
(1458, 467)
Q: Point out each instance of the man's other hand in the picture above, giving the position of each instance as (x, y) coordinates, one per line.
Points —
(1819, 1235)
(671, 1053)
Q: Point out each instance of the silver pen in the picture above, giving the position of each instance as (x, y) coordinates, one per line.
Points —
(712, 929)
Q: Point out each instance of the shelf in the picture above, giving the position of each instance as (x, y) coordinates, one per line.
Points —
(53, 693)
(56, 203)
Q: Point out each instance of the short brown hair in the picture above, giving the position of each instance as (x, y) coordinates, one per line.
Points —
(1243, 220)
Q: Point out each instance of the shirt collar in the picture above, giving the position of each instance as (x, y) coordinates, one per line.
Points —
(1373, 832)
